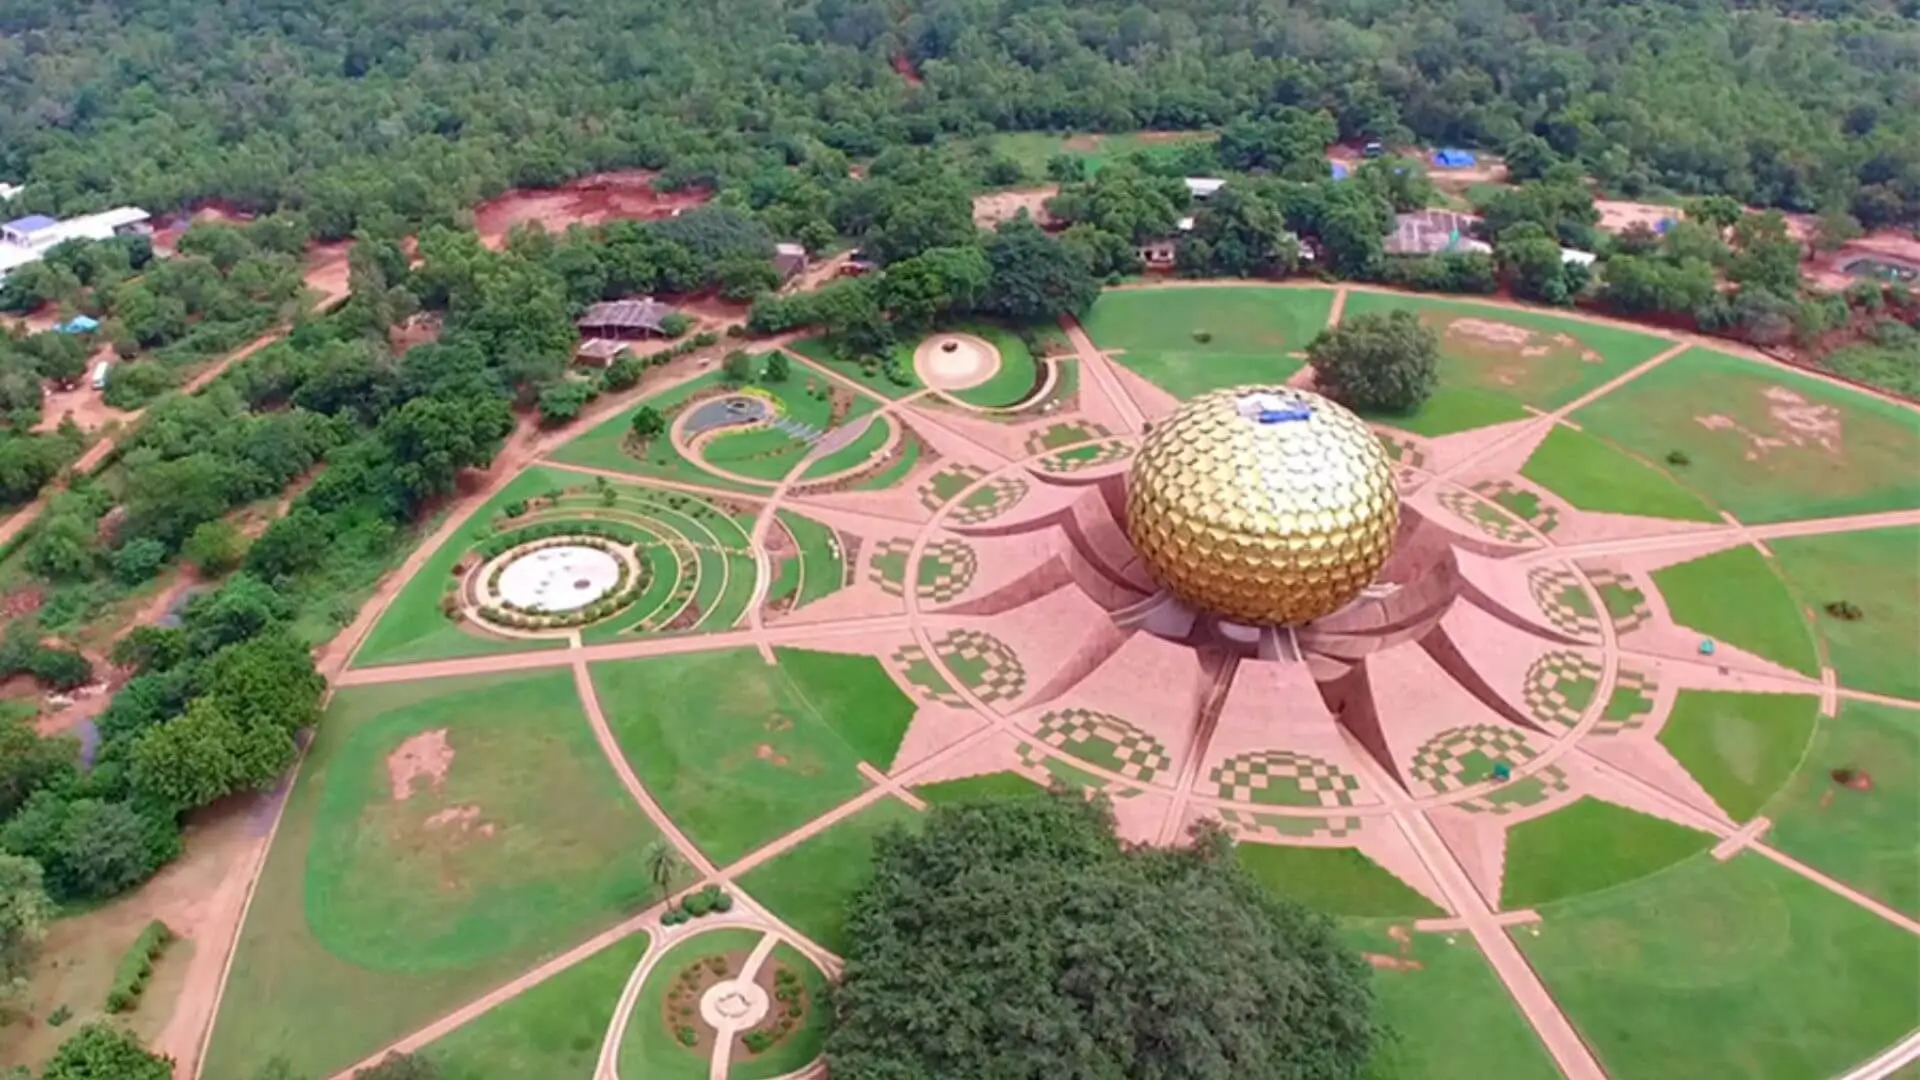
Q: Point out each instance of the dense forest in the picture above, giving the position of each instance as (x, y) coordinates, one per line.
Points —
(355, 109)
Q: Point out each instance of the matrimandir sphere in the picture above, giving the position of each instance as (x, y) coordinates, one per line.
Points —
(1264, 505)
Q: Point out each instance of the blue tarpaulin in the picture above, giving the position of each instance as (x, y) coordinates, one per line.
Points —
(79, 324)
(1339, 170)
(1663, 225)
(1450, 158)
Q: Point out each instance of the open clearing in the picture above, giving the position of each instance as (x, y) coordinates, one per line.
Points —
(1769, 445)
(1878, 573)
(1589, 846)
(1741, 747)
(1432, 987)
(1737, 970)
(731, 746)
(1251, 332)
(1736, 597)
(1849, 809)
(552, 1030)
(1594, 476)
(1337, 880)
(376, 913)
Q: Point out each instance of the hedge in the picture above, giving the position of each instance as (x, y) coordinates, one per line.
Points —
(130, 978)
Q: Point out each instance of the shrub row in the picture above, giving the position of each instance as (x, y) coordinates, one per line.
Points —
(495, 546)
(707, 901)
(130, 978)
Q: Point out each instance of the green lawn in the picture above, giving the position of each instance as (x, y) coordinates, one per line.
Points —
(821, 571)
(413, 628)
(816, 350)
(1253, 329)
(1452, 409)
(1339, 881)
(769, 454)
(1032, 149)
(1591, 475)
(1016, 380)
(648, 1048)
(896, 472)
(1868, 838)
(605, 445)
(1738, 971)
(728, 744)
(809, 886)
(1523, 357)
(855, 697)
(1736, 597)
(1740, 747)
(554, 1029)
(1766, 443)
(803, 1044)
(993, 785)
(1878, 572)
(376, 914)
(1437, 987)
(1588, 846)
(855, 453)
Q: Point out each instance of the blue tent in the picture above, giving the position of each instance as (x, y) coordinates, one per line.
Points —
(1663, 225)
(1339, 170)
(1451, 158)
(79, 324)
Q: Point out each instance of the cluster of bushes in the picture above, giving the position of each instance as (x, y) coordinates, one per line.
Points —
(130, 978)
(791, 994)
(626, 587)
(495, 546)
(1452, 272)
(22, 652)
(708, 901)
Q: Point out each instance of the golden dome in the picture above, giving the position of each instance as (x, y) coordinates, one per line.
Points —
(1263, 504)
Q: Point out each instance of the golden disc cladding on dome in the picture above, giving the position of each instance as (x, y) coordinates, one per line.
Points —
(1264, 505)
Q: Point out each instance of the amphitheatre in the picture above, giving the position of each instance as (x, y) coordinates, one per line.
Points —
(1610, 762)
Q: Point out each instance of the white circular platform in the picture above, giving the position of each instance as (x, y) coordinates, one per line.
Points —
(561, 578)
(733, 1005)
(955, 361)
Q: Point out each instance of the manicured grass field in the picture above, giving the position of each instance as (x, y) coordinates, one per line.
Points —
(648, 1048)
(605, 446)
(729, 745)
(1739, 971)
(1012, 384)
(894, 473)
(1253, 329)
(1032, 149)
(1734, 596)
(1524, 357)
(1436, 987)
(819, 571)
(375, 914)
(413, 628)
(1591, 475)
(1339, 881)
(1879, 573)
(1740, 747)
(808, 887)
(816, 350)
(855, 453)
(993, 785)
(1452, 409)
(1588, 846)
(1767, 444)
(554, 1029)
(1868, 836)
(855, 697)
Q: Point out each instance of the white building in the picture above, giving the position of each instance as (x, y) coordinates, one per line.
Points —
(1203, 187)
(27, 239)
(9, 192)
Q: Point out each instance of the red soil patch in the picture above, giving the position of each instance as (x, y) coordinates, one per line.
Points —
(1617, 216)
(995, 207)
(681, 1009)
(425, 756)
(590, 200)
(460, 819)
(903, 67)
(1797, 423)
(1404, 960)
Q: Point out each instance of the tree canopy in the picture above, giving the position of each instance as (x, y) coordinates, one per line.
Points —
(1384, 362)
(1019, 940)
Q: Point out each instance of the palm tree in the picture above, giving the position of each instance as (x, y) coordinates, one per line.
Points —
(663, 865)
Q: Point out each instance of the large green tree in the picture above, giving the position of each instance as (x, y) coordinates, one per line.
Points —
(1020, 940)
(1034, 277)
(25, 911)
(100, 1051)
(1377, 362)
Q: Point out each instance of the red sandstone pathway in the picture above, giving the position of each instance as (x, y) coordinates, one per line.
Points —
(1093, 365)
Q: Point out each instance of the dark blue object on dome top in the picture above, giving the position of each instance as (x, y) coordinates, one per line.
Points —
(1282, 416)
